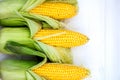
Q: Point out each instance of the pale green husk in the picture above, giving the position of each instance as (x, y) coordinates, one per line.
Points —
(19, 70)
(74, 2)
(18, 41)
(56, 54)
(20, 35)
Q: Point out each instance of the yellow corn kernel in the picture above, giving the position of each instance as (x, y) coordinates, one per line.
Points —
(56, 71)
(61, 38)
(55, 10)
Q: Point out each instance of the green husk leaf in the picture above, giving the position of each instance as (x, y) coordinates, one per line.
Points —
(8, 7)
(29, 76)
(45, 25)
(15, 69)
(20, 35)
(52, 22)
(23, 50)
(55, 54)
(33, 26)
(31, 4)
(16, 21)
(65, 54)
(74, 2)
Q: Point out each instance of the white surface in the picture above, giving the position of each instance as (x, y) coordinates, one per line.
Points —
(100, 21)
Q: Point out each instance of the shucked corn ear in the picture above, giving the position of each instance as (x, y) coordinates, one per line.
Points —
(56, 71)
(55, 10)
(18, 13)
(54, 43)
(31, 70)
(17, 39)
(62, 38)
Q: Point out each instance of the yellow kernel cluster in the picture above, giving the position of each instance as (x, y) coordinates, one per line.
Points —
(55, 10)
(62, 38)
(56, 71)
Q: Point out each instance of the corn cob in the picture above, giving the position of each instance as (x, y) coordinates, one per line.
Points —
(62, 38)
(56, 71)
(55, 10)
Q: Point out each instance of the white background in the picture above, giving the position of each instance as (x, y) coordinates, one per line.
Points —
(100, 21)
